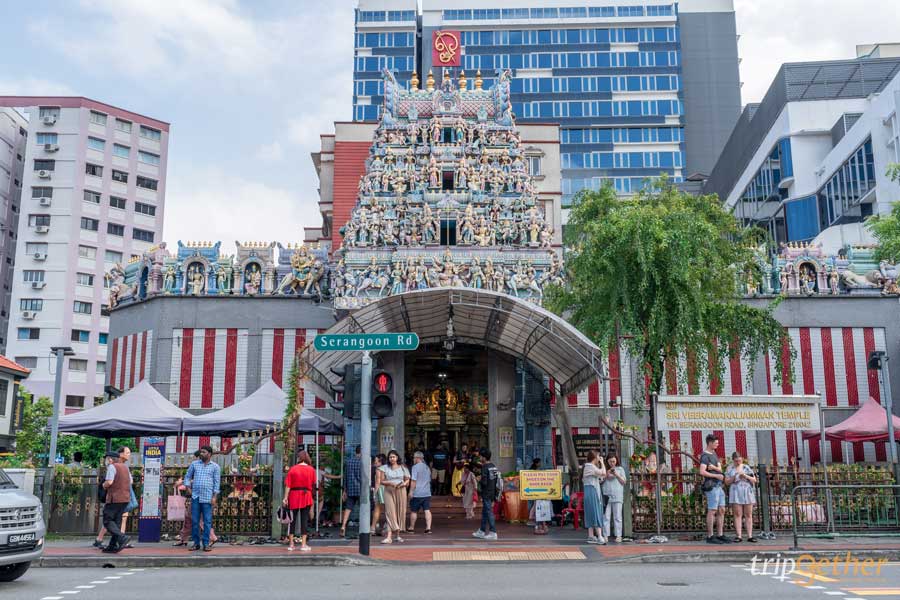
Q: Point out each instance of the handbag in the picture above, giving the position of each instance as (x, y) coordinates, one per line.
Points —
(285, 515)
(132, 501)
(175, 508)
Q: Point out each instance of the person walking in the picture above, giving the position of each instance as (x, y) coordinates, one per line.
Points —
(613, 489)
(117, 485)
(593, 473)
(394, 481)
(352, 477)
(299, 484)
(490, 484)
(110, 458)
(377, 493)
(440, 458)
(420, 493)
(741, 495)
(459, 459)
(467, 490)
(203, 479)
(712, 488)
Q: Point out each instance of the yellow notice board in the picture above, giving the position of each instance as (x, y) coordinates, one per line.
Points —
(540, 485)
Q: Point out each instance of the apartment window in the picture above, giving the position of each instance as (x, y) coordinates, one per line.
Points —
(148, 157)
(96, 144)
(146, 183)
(150, 133)
(534, 165)
(47, 138)
(115, 229)
(43, 164)
(28, 333)
(145, 209)
(90, 196)
(38, 220)
(35, 248)
(84, 279)
(95, 170)
(113, 257)
(89, 224)
(98, 117)
(122, 125)
(117, 202)
(103, 337)
(120, 176)
(33, 304)
(48, 111)
(121, 151)
(32, 276)
(82, 308)
(75, 401)
(87, 252)
(4, 392)
(101, 367)
(29, 362)
(77, 364)
(80, 335)
(42, 192)
(142, 235)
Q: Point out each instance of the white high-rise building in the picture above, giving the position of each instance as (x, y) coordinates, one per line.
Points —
(13, 136)
(93, 196)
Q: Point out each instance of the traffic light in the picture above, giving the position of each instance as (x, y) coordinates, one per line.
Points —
(382, 394)
(348, 389)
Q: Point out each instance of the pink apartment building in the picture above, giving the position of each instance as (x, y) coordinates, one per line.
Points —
(93, 194)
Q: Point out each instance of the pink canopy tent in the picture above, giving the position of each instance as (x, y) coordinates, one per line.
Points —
(868, 424)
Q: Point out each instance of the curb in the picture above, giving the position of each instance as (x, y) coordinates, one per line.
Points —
(744, 556)
(312, 560)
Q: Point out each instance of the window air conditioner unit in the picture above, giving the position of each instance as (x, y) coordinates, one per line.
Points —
(28, 314)
(38, 285)
(40, 256)
(51, 147)
(44, 201)
(42, 228)
(43, 174)
(49, 120)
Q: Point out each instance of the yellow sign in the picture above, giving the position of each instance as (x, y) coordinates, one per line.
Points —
(540, 485)
(737, 413)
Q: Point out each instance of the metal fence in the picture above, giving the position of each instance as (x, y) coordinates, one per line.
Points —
(244, 507)
(684, 508)
(855, 508)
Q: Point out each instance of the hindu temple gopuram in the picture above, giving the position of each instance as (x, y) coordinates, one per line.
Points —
(447, 200)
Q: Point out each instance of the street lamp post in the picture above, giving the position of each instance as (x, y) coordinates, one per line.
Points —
(878, 362)
(61, 353)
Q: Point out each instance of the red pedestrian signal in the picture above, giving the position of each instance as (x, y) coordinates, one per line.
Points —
(382, 383)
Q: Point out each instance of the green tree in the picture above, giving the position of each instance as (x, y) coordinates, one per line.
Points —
(886, 228)
(92, 448)
(32, 438)
(659, 272)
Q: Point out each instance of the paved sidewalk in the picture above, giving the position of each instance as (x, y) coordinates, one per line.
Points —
(516, 543)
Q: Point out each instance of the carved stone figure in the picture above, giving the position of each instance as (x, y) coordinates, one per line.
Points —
(253, 280)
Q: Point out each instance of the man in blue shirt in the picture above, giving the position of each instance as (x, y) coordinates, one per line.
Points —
(352, 484)
(202, 478)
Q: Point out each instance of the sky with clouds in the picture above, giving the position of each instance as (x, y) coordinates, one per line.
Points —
(249, 85)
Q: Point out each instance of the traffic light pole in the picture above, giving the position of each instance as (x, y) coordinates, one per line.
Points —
(365, 431)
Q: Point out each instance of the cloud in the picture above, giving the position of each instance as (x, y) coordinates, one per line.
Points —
(773, 33)
(210, 204)
(33, 86)
(270, 152)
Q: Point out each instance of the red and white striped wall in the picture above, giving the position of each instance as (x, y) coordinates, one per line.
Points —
(209, 367)
(831, 361)
(130, 359)
(279, 346)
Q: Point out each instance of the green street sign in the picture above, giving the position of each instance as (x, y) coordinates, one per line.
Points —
(342, 342)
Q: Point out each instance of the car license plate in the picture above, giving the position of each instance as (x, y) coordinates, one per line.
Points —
(20, 538)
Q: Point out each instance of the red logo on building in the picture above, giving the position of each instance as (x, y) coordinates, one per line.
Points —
(445, 48)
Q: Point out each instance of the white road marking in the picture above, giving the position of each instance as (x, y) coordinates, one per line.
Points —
(127, 573)
(835, 593)
(113, 577)
(99, 581)
(70, 592)
(85, 587)
(136, 570)
(52, 598)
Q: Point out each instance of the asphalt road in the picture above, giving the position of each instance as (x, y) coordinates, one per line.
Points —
(475, 581)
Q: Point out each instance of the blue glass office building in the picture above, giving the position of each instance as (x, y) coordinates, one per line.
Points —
(639, 87)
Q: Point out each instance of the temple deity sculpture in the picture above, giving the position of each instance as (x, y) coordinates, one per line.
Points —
(169, 280)
(301, 270)
(197, 280)
(434, 174)
(476, 275)
(253, 280)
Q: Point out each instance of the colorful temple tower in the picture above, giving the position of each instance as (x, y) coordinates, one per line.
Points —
(446, 200)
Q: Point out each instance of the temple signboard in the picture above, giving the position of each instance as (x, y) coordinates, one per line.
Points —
(738, 413)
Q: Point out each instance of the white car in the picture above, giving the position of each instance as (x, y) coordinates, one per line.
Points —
(22, 529)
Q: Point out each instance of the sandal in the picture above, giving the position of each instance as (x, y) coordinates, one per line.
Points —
(752, 539)
(387, 541)
(737, 540)
(176, 544)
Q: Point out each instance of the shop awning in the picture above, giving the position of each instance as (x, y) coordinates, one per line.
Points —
(139, 411)
(489, 319)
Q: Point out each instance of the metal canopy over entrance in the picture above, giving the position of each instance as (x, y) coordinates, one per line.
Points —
(480, 317)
